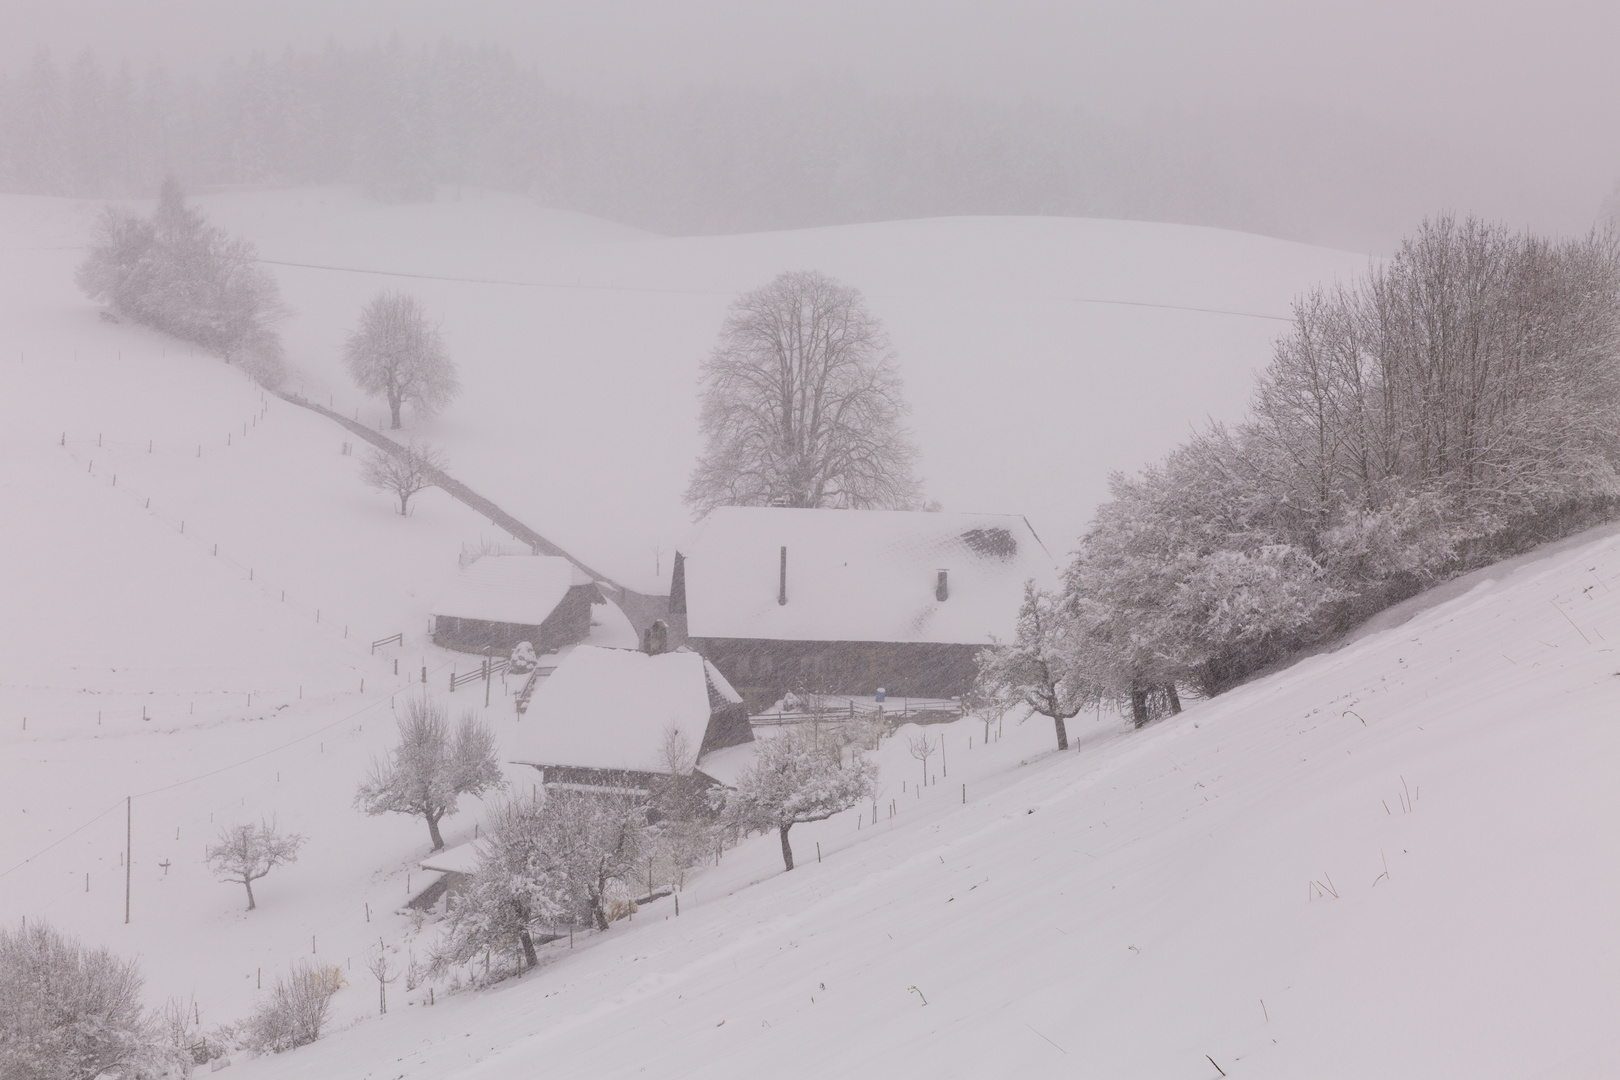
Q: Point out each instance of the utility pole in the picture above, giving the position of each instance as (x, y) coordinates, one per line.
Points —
(129, 852)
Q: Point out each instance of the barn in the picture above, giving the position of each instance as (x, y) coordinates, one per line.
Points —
(500, 600)
(603, 719)
(848, 601)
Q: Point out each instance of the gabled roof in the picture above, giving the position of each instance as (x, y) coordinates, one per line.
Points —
(610, 709)
(859, 575)
(521, 589)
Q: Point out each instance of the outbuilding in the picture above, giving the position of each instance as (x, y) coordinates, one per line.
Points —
(501, 600)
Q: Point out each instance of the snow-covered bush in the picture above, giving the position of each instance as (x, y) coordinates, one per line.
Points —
(68, 1011)
(295, 1011)
(523, 658)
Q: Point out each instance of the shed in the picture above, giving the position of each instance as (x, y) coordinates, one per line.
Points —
(847, 601)
(501, 600)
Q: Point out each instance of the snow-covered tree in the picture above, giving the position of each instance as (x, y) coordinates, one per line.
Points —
(597, 843)
(801, 404)
(181, 275)
(798, 776)
(1043, 666)
(403, 472)
(515, 891)
(246, 853)
(68, 1012)
(398, 355)
(431, 768)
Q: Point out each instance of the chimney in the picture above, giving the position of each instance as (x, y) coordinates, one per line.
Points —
(781, 581)
(942, 589)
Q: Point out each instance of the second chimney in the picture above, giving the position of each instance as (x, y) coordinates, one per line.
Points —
(781, 581)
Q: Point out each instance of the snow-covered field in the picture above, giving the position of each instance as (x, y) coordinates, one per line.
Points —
(580, 374)
(1126, 910)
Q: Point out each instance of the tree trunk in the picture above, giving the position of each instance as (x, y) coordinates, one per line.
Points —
(404, 500)
(1062, 732)
(787, 850)
(433, 831)
(601, 915)
(528, 948)
(1175, 699)
(1139, 710)
(394, 402)
(249, 883)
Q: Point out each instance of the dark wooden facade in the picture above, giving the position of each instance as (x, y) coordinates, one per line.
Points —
(568, 624)
(762, 671)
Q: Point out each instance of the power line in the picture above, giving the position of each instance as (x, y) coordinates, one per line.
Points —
(59, 839)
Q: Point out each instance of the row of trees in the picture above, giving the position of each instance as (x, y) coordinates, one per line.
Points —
(1458, 403)
(177, 273)
(703, 160)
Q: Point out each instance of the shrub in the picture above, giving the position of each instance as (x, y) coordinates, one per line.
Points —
(68, 1011)
(295, 1011)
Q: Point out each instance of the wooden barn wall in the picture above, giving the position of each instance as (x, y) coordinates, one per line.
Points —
(766, 669)
(568, 623)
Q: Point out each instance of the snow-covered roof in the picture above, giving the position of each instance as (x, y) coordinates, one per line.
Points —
(610, 709)
(461, 859)
(859, 575)
(521, 589)
(728, 762)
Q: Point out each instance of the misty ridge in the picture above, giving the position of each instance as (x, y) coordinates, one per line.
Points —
(706, 159)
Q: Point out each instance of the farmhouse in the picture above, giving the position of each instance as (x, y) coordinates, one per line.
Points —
(605, 720)
(848, 601)
(500, 600)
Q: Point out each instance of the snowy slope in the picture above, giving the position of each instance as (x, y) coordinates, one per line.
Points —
(1156, 897)
(191, 580)
(1466, 749)
(1039, 354)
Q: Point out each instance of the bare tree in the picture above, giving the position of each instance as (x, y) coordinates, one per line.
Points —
(802, 406)
(403, 472)
(245, 853)
(922, 748)
(796, 777)
(430, 769)
(398, 355)
(382, 969)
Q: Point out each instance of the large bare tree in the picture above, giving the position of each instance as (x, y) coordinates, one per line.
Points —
(801, 404)
(397, 354)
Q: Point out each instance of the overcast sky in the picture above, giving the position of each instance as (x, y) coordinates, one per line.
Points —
(1510, 109)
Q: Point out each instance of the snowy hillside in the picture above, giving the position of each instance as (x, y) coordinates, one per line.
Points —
(1393, 860)
(1038, 354)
